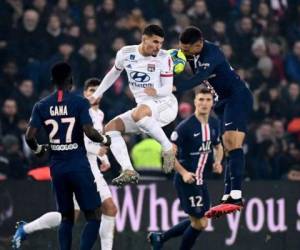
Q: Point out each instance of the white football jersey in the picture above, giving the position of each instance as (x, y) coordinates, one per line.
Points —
(143, 71)
(97, 118)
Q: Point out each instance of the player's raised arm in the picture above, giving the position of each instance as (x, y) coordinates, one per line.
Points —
(109, 78)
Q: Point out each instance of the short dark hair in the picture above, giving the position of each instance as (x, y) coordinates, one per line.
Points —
(203, 90)
(191, 35)
(154, 29)
(61, 74)
(91, 82)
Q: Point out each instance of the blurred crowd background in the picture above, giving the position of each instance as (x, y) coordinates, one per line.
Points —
(260, 38)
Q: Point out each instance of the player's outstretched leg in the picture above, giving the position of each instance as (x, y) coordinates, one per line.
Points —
(46, 221)
(119, 150)
(142, 115)
(157, 239)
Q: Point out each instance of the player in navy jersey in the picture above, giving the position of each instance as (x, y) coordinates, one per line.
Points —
(195, 137)
(234, 106)
(65, 116)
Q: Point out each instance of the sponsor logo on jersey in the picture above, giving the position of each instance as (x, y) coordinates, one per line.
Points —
(205, 147)
(139, 76)
(203, 65)
(151, 67)
(64, 147)
(131, 57)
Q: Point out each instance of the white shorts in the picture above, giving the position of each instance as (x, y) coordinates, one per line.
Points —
(102, 186)
(164, 110)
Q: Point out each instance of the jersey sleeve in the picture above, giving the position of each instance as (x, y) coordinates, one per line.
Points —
(178, 136)
(84, 114)
(36, 119)
(119, 61)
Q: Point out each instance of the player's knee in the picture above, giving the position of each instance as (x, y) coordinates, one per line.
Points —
(92, 214)
(109, 208)
(199, 224)
(115, 125)
(140, 112)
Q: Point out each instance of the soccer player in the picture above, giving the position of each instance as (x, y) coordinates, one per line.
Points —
(150, 76)
(195, 138)
(209, 65)
(108, 208)
(65, 116)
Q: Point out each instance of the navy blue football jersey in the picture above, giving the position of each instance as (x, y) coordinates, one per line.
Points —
(195, 141)
(63, 115)
(211, 62)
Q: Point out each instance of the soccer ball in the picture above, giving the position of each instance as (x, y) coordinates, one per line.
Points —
(179, 60)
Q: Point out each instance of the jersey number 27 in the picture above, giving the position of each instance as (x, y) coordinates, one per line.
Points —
(55, 126)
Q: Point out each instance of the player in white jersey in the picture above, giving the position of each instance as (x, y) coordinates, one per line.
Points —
(108, 208)
(150, 76)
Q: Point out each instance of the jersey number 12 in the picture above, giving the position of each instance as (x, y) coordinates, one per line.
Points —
(196, 201)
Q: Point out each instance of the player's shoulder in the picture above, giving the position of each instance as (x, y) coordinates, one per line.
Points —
(128, 49)
(163, 54)
(211, 47)
(186, 123)
(45, 101)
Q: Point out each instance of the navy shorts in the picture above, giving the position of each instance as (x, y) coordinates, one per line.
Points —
(235, 111)
(82, 183)
(194, 199)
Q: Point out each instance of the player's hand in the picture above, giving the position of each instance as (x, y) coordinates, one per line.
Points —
(41, 150)
(102, 151)
(217, 168)
(188, 177)
(150, 91)
(104, 167)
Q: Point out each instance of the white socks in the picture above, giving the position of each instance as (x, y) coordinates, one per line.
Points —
(106, 232)
(46, 221)
(119, 149)
(236, 194)
(151, 126)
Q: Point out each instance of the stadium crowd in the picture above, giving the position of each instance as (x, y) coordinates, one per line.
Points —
(260, 38)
